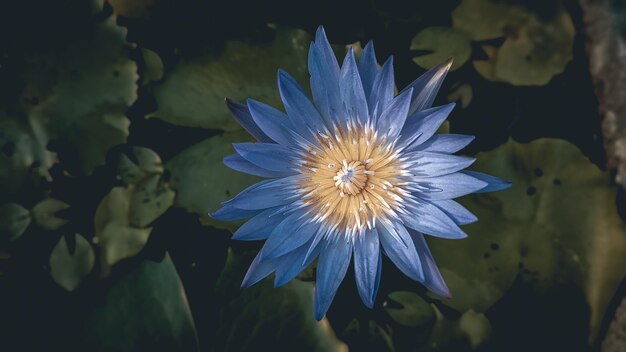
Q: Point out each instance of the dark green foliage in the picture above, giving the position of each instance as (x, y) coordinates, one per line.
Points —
(112, 132)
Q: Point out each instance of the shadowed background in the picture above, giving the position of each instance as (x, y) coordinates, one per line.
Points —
(113, 127)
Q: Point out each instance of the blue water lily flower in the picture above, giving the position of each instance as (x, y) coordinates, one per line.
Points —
(358, 171)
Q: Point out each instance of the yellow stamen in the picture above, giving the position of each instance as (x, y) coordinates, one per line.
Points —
(352, 179)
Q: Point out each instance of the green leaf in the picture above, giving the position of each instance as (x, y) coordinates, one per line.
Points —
(557, 224)
(535, 50)
(378, 337)
(132, 8)
(145, 310)
(263, 318)
(150, 199)
(201, 179)
(476, 327)
(442, 43)
(24, 158)
(193, 93)
(147, 163)
(45, 211)
(153, 67)
(14, 220)
(414, 312)
(488, 19)
(78, 94)
(114, 234)
(123, 215)
(69, 268)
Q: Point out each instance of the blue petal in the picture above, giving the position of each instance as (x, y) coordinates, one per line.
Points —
(446, 143)
(325, 87)
(327, 53)
(424, 124)
(302, 113)
(432, 277)
(351, 90)
(259, 269)
(367, 265)
(456, 211)
(331, 269)
(237, 162)
(259, 227)
(425, 217)
(425, 88)
(269, 156)
(448, 186)
(392, 119)
(382, 90)
(242, 116)
(290, 234)
(402, 254)
(436, 164)
(263, 195)
(273, 122)
(368, 68)
(230, 213)
(293, 263)
(493, 183)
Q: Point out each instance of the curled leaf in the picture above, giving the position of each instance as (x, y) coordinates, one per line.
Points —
(68, 268)
(14, 220)
(45, 211)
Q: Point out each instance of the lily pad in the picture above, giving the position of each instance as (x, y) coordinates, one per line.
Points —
(45, 211)
(132, 8)
(557, 224)
(78, 95)
(114, 234)
(14, 220)
(476, 327)
(24, 159)
(193, 93)
(262, 317)
(441, 43)
(153, 67)
(201, 179)
(68, 268)
(123, 215)
(414, 311)
(377, 338)
(145, 310)
(146, 164)
(534, 50)
(150, 199)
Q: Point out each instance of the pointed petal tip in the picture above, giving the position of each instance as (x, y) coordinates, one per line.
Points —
(320, 30)
(369, 45)
(445, 294)
(245, 283)
(230, 103)
(319, 312)
(215, 214)
(440, 289)
(350, 52)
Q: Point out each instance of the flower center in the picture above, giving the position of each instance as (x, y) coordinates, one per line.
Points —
(352, 178)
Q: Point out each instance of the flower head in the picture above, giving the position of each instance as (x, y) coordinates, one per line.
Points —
(358, 171)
